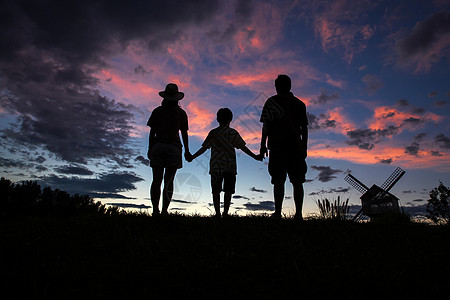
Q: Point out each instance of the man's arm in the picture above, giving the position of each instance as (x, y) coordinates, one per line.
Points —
(151, 142)
(304, 134)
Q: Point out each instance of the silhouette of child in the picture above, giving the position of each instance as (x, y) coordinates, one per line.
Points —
(222, 167)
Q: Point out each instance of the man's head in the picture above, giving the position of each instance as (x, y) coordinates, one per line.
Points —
(224, 116)
(283, 84)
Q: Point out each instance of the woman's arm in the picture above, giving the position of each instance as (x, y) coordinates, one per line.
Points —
(151, 142)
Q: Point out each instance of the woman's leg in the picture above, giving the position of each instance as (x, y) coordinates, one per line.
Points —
(169, 176)
(155, 189)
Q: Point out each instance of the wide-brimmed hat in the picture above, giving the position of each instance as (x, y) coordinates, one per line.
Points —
(171, 92)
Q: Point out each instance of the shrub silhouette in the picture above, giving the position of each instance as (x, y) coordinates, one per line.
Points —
(27, 197)
(336, 210)
(438, 205)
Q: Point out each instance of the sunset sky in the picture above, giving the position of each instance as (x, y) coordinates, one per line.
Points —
(79, 79)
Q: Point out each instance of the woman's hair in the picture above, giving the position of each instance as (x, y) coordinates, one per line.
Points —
(224, 116)
(169, 103)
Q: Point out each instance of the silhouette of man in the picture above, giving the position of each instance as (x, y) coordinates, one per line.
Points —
(285, 129)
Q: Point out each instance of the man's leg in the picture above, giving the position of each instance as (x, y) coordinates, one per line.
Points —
(169, 176)
(155, 189)
(298, 199)
(216, 202)
(278, 196)
(226, 202)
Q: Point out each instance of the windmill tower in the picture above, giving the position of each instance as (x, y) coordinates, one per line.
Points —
(377, 201)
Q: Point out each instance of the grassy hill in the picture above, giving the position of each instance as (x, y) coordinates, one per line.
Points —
(68, 254)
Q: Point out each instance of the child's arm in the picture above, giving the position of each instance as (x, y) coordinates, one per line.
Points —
(199, 152)
(251, 154)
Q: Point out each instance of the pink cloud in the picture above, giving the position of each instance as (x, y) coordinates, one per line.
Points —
(385, 116)
(127, 90)
(374, 156)
(200, 119)
(339, 27)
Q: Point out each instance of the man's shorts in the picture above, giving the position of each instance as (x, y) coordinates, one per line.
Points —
(225, 182)
(166, 155)
(284, 162)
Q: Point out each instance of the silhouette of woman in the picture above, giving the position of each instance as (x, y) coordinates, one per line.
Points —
(164, 148)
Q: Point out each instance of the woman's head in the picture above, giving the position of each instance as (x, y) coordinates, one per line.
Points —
(171, 93)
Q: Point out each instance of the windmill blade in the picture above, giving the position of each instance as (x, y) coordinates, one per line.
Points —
(358, 185)
(392, 180)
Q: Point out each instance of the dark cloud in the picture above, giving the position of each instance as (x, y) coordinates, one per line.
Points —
(330, 191)
(140, 70)
(439, 103)
(106, 185)
(109, 196)
(442, 140)
(367, 138)
(373, 83)
(76, 129)
(433, 94)
(12, 163)
(74, 170)
(254, 189)
(40, 159)
(142, 160)
(129, 205)
(386, 161)
(413, 149)
(420, 136)
(413, 121)
(324, 98)
(424, 37)
(262, 205)
(402, 103)
(240, 197)
(436, 153)
(326, 173)
(40, 168)
(183, 201)
(322, 121)
(53, 49)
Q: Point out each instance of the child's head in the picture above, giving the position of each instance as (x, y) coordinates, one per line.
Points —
(224, 116)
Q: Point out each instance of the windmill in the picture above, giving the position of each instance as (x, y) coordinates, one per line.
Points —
(377, 201)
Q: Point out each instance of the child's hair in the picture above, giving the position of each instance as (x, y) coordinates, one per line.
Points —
(224, 116)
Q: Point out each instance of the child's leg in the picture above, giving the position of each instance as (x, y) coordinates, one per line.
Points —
(226, 202)
(229, 185)
(216, 202)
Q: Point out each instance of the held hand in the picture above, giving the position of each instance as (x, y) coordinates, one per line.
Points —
(149, 153)
(263, 151)
(188, 156)
(259, 157)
